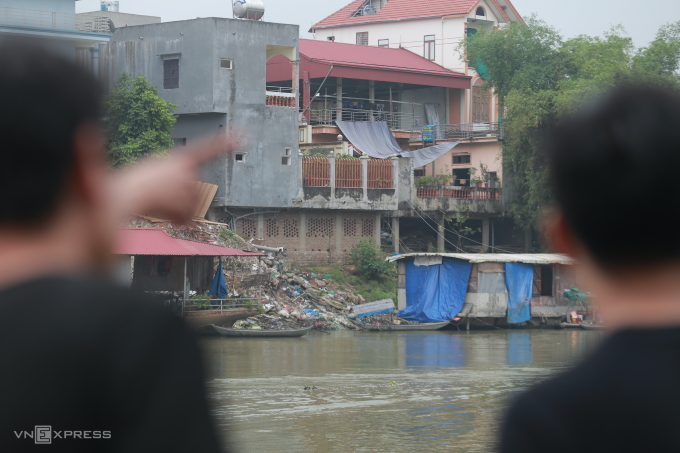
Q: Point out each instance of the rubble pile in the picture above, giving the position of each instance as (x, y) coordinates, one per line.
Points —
(291, 298)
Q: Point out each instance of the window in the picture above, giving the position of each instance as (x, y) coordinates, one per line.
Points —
(240, 158)
(428, 47)
(226, 63)
(419, 172)
(285, 160)
(171, 74)
(288, 151)
(480, 104)
(331, 38)
(480, 12)
(383, 43)
(362, 38)
(461, 159)
(179, 142)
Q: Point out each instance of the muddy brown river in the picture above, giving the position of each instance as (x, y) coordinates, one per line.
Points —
(441, 391)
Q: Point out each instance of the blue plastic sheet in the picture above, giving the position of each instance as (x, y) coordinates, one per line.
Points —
(219, 285)
(435, 293)
(519, 279)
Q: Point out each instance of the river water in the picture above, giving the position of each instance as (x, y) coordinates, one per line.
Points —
(379, 392)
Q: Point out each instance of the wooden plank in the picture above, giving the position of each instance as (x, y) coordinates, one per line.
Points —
(206, 194)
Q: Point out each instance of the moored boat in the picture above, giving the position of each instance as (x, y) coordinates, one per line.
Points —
(570, 325)
(262, 333)
(593, 326)
(200, 319)
(401, 327)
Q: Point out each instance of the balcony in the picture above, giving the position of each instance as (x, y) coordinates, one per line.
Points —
(461, 132)
(453, 198)
(349, 183)
(281, 97)
(49, 20)
(398, 115)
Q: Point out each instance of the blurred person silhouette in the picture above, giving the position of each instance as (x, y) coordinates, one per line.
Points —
(614, 169)
(102, 367)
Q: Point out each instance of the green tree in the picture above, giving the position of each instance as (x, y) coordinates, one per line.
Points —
(539, 77)
(139, 123)
(369, 260)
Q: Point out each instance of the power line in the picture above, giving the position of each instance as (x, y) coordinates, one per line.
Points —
(434, 229)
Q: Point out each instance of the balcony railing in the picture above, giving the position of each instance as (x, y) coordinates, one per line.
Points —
(52, 20)
(467, 131)
(316, 172)
(458, 193)
(395, 120)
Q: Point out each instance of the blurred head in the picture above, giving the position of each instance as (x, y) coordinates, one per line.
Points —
(615, 169)
(49, 128)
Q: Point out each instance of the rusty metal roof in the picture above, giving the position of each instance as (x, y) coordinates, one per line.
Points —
(529, 258)
(154, 241)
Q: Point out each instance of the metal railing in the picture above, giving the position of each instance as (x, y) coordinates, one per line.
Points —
(458, 193)
(53, 20)
(348, 173)
(220, 304)
(279, 99)
(316, 172)
(467, 131)
(395, 120)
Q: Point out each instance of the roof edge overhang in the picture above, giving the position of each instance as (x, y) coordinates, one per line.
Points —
(475, 258)
(435, 16)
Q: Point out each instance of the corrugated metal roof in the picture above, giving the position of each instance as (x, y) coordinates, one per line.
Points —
(529, 258)
(353, 61)
(154, 241)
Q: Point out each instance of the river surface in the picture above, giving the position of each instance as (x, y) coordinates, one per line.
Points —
(442, 391)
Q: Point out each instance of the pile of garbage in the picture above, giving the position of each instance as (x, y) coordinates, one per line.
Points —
(290, 297)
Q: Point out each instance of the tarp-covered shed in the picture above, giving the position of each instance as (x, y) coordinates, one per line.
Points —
(511, 286)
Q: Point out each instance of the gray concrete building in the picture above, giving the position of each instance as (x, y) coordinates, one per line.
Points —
(214, 70)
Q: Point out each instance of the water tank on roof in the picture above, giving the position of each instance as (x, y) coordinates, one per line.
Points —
(248, 9)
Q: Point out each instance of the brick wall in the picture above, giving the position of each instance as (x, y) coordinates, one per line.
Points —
(311, 237)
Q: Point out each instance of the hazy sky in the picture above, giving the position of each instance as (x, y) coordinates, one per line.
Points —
(570, 17)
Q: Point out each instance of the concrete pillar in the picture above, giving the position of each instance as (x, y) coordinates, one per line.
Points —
(364, 175)
(303, 231)
(338, 99)
(486, 234)
(306, 96)
(376, 234)
(331, 160)
(395, 179)
(300, 171)
(441, 244)
(401, 285)
(371, 96)
(260, 226)
(395, 234)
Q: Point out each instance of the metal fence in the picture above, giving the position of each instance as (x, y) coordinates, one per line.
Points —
(395, 120)
(348, 173)
(380, 174)
(316, 172)
(473, 193)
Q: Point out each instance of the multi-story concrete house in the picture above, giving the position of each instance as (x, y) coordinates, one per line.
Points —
(51, 23)
(286, 186)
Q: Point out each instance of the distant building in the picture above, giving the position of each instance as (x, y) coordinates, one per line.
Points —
(51, 23)
(110, 21)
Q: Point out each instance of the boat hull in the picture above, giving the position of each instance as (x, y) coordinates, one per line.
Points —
(592, 327)
(262, 333)
(206, 318)
(402, 327)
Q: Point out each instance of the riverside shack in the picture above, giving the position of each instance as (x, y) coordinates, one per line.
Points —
(485, 288)
(153, 261)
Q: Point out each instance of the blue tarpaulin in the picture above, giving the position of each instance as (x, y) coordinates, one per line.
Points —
(519, 279)
(219, 284)
(435, 293)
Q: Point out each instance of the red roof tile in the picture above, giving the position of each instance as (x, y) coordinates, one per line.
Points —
(398, 10)
(153, 241)
(366, 63)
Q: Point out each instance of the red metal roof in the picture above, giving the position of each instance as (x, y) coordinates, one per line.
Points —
(366, 63)
(408, 9)
(154, 241)
(398, 10)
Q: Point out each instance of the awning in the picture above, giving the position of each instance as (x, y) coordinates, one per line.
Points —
(153, 241)
(375, 139)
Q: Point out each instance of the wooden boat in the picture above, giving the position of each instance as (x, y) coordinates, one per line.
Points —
(201, 319)
(570, 325)
(401, 327)
(593, 326)
(262, 333)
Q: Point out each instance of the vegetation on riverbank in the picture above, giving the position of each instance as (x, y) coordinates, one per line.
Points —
(379, 288)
